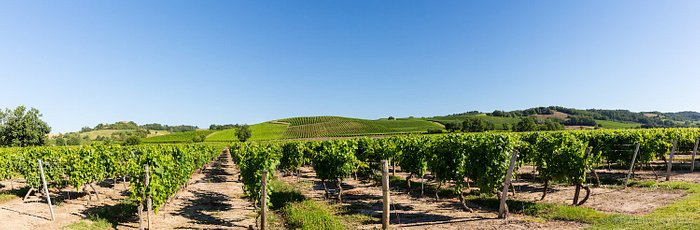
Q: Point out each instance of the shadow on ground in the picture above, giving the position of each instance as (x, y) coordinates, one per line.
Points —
(203, 208)
(122, 212)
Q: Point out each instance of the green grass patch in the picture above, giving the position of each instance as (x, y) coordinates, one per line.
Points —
(310, 214)
(7, 196)
(283, 194)
(13, 194)
(92, 224)
(665, 185)
(300, 212)
(261, 132)
(617, 125)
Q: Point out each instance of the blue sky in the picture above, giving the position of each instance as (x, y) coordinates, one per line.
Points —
(201, 62)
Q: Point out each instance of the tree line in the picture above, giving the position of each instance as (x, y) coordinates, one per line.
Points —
(526, 124)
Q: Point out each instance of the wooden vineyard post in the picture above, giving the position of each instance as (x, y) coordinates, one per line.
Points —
(385, 194)
(46, 190)
(29, 192)
(634, 157)
(140, 210)
(149, 202)
(263, 201)
(670, 161)
(695, 152)
(503, 208)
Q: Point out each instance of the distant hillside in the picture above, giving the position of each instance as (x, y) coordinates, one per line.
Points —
(545, 118)
(330, 126)
(313, 127)
(96, 134)
(582, 118)
(499, 122)
(130, 125)
(179, 137)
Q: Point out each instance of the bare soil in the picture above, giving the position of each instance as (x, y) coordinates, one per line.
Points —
(618, 200)
(35, 214)
(609, 198)
(681, 172)
(213, 200)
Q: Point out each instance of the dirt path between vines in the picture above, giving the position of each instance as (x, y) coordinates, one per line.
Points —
(34, 214)
(213, 200)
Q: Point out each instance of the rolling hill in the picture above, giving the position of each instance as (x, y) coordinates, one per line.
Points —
(497, 121)
(310, 127)
(92, 135)
(332, 126)
(178, 137)
(261, 132)
(335, 126)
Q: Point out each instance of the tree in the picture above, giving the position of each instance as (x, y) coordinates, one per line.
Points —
(580, 120)
(243, 133)
(73, 139)
(391, 118)
(60, 141)
(552, 124)
(526, 124)
(22, 127)
(199, 138)
(477, 124)
(132, 140)
(453, 126)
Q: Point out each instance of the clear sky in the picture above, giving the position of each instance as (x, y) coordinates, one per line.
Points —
(201, 62)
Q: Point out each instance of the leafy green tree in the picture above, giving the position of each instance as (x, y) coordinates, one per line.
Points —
(22, 127)
(580, 120)
(60, 141)
(74, 139)
(243, 133)
(132, 140)
(551, 124)
(507, 126)
(526, 124)
(453, 126)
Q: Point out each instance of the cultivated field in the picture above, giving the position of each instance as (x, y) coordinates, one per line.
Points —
(309, 127)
